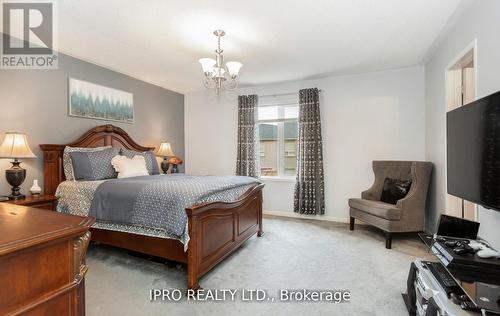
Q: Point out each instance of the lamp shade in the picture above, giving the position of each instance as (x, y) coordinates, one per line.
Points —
(233, 67)
(165, 150)
(15, 145)
(207, 64)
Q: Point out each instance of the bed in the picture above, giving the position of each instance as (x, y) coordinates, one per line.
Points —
(215, 227)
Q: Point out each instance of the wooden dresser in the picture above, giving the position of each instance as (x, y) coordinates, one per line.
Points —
(42, 261)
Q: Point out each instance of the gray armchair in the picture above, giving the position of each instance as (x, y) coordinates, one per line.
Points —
(408, 214)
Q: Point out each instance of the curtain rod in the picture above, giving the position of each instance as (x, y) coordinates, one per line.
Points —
(280, 94)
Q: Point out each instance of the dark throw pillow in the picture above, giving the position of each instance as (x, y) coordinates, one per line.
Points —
(394, 190)
(91, 166)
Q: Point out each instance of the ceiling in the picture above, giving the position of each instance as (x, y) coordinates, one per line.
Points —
(160, 41)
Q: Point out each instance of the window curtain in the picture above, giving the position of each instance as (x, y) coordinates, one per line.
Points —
(309, 189)
(247, 162)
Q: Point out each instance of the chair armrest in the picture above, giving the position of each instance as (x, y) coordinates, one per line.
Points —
(369, 194)
(412, 208)
(409, 200)
(415, 200)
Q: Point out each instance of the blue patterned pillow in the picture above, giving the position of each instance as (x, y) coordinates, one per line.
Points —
(149, 156)
(91, 166)
(68, 165)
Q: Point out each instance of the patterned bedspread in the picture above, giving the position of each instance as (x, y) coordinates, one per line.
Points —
(156, 203)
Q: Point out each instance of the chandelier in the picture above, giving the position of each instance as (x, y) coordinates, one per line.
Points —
(216, 74)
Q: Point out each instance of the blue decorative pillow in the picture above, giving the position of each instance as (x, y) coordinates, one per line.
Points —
(68, 165)
(91, 166)
(149, 156)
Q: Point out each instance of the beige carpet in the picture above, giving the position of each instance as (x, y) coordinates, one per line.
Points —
(293, 254)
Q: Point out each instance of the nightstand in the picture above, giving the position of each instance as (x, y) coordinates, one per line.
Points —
(46, 202)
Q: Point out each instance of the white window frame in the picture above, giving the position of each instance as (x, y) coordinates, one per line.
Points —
(281, 136)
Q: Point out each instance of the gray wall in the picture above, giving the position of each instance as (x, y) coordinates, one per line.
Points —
(480, 20)
(36, 102)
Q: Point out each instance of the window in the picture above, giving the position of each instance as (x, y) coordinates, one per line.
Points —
(262, 152)
(278, 133)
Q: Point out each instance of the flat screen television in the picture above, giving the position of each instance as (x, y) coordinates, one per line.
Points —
(473, 151)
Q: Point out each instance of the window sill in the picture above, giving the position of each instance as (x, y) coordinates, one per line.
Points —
(277, 179)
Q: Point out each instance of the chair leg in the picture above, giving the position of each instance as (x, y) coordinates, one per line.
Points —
(351, 223)
(388, 240)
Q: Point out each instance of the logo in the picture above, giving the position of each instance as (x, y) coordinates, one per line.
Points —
(28, 35)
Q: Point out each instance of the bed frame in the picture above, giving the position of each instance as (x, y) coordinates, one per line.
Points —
(216, 229)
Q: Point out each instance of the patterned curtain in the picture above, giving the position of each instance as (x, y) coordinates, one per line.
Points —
(309, 188)
(247, 162)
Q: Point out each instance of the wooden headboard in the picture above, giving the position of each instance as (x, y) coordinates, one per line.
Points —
(105, 135)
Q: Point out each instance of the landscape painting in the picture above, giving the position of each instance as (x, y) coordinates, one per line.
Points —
(99, 102)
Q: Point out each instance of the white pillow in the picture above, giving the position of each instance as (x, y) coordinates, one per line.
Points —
(129, 167)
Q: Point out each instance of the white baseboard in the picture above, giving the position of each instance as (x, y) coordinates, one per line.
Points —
(314, 217)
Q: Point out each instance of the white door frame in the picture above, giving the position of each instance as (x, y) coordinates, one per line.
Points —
(472, 46)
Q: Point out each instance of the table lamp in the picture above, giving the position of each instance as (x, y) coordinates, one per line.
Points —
(165, 151)
(174, 161)
(15, 145)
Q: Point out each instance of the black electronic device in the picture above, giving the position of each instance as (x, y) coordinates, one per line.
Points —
(455, 227)
(463, 249)
(444, 278)
(467, 263)
(473, 151)
(453, 243)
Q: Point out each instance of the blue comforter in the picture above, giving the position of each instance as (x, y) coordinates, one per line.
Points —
(160, 201)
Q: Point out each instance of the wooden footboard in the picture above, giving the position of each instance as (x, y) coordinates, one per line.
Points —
(217, 229)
